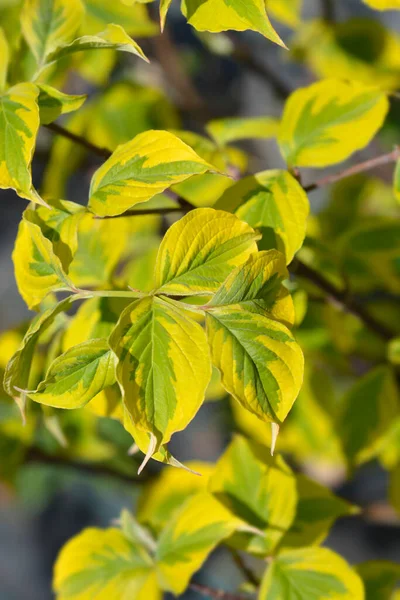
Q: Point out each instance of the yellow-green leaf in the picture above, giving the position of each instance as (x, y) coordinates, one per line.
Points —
(38, 270)
(384, 4)
(310, 574)
(380, 578)
(75, 377)
(260, 362)
(140, 169)
(134, 18)
(188, 539)
(53, 103)
(200, 250)
(368, 411)
(394, 351)
(325, 123)
(47, 24)
(258, 489)
(164, 366)
(221, 15)
(164, 7)
(317, 509)
(161, 498)
(229, 130)
(114, 37)
(4, 59)
(104, 564)
(19, 123)
(275, 204)
(18, 368)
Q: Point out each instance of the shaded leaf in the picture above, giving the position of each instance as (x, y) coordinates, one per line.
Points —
(233, 129)
(53, 103)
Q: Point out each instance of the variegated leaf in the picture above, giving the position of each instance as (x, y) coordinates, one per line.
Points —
(200, 250)
(140, 169)
(53, 103)
(77, 376)
(163, 366)
(19, 123)
(47, 24)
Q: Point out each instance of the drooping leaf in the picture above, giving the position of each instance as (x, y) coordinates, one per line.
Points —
(47, 24)
(19, 367)
(53, 103)
(163, 366)
(369, 409)
(258, 489)
(114, 37)
(38, 270)
(104, 564)
(260, 362)
(221, 15)
(140, 169)
(379, 577)
(325, 123)
(4, 59)
(161, 498)
(188, 539)
(317, 509)
(200, 250)
(19, 123)
(275, 204)
(233, 129)
(77, 376)
(310, 574)
(164, 7)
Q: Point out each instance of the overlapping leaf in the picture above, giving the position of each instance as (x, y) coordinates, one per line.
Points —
(326, 122)
(275, 204)
(383, 4)
(140, 169)
(53, 103)
(38, 269)
(310, 574)
(199, 251)
(19, 123)
(104, 564)
(260, 362)
(225, 131)
(47, 24)
(259, 489)
(164, 366)
(77, 376)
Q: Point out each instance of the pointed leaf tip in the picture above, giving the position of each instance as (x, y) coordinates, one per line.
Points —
(150, 452)
(275, 432)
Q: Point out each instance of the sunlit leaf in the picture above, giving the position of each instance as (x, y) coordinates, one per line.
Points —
(188, 539)
(200, 250)
(221, 15)
(383, 4)
(325, 123)
(257, 488)
(163, 366)
(77, 376)
(104, 564)
(47, 24)
(140, 169)
(232, 129)
(310, 574)
(19, 123)
(4, 59)
(275, 204)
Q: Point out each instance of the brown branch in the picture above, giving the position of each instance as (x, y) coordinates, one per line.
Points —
(58, 130)
(208, 592)
(302, 270)
(34, 455)
(367, 165)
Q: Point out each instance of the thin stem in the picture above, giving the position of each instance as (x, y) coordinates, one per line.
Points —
(367, 165)
(110, 293)
(57, 129)
(208, 592)
(244, 569)
(147, 211)
(302, 270)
